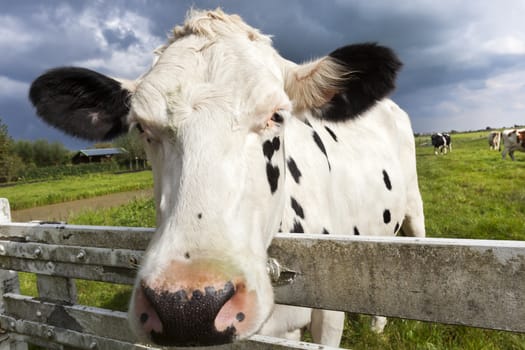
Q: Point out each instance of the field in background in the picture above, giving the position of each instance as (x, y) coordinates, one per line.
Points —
(472, 192)
(70, 188)
(469, 193)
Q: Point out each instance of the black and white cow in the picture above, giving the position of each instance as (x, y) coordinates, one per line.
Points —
(244, 143)
(442, 143)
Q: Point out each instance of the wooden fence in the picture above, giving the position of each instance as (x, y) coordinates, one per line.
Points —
(477, 283)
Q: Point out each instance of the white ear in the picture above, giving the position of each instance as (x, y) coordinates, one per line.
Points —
(313, 84)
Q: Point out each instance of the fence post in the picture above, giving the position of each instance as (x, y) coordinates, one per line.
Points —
(8, 284)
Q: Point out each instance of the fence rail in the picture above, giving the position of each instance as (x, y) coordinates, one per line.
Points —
(478, 283)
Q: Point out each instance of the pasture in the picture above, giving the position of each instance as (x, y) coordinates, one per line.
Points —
(29, 195)
(469, 193)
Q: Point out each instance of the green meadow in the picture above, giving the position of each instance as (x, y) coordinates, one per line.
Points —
(468, 193)
(29, 195)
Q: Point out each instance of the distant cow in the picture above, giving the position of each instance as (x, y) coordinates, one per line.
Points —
(513, 140)
(244, 143)
(495, 140)
(442, 143)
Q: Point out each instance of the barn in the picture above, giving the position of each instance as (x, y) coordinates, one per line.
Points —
(96, 155)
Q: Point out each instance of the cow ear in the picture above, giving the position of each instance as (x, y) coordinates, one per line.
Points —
(81, 102)
(345, 83)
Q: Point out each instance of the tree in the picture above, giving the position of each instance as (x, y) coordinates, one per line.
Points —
(132, 143)
(49, 154)
(24, 149)
(10, 164)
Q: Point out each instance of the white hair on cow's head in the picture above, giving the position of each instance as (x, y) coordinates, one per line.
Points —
(216, 23)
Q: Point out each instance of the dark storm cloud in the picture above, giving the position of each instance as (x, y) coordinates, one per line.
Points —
(462, 60)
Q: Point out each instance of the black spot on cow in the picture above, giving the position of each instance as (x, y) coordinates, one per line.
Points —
(297, 227)
(396, 228)
(332, 133)
(199, 216)
(187, 255)
(307, 122)
(272, 173)
(325, 231)
(386, 179)
(356, 231)
(320, 144)
(270, 147)
(386, 216)
(276, 143)
(294, 170)
(297, 208)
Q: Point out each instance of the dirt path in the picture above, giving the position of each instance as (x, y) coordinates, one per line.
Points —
(61, 211)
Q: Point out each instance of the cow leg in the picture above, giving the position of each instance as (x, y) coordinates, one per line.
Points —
(378, 324)
(414, 221)
(511, 154)
(286, 322)
(504, 153)
(327, 327)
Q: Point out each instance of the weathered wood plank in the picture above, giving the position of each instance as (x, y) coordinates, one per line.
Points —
(71, 254)
(80, 340)
(88, 272)
(5, 211)
(85, 319)
(470, 282)
(89, 236)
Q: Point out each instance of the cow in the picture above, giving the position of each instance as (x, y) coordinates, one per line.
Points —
(442, 143)
(494, 139)
(244, 143)
(513, 140)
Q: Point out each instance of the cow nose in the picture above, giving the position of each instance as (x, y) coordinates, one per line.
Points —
(207, 313)
(179, 319)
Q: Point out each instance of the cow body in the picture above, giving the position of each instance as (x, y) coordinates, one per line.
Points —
(442, 143)
(513, 140)
(494, 139)
(244, 143)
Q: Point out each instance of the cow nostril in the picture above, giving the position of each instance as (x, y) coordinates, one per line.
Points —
(188, 318)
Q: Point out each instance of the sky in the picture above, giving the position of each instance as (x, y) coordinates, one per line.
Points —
(464, 61)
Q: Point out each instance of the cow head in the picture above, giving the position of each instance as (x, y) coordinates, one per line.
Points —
(212, 112)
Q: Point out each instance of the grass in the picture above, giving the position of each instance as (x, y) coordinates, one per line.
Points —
(74, 187)
(469, 193)
(472, 192)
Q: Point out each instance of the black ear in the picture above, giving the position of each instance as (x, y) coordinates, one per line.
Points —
(372, 72)
(81, 102)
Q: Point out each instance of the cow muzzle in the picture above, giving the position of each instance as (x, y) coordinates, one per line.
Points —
(195, 304)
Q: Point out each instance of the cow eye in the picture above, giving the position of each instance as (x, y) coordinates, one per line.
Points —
(277, 118)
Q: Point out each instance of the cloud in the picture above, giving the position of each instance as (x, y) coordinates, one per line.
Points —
(508, 45)
(10, 88)
(125, 42)
(463, 61)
